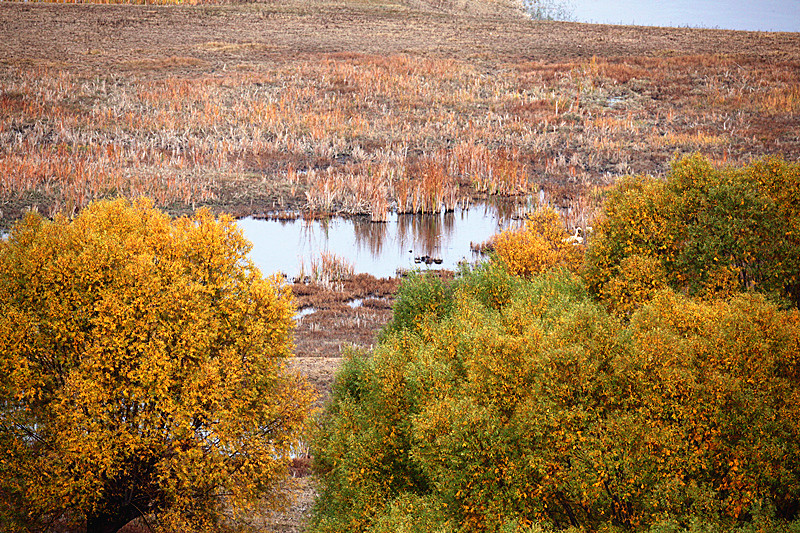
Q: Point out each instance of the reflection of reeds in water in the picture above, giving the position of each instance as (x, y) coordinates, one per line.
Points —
(370, 236)
(448, 227)
(422, 233)
(427, 232)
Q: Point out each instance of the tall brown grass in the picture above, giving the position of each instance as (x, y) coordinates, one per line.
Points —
(330, 268)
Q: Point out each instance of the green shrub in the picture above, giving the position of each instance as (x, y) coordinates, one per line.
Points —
(411, 513)
(422, 296)
(364, 444)
(540, 410)
(704, 231)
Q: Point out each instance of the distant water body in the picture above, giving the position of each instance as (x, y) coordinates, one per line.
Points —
(750, 15)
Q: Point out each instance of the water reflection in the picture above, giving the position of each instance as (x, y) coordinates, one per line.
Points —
(369, 235)
(376, 248)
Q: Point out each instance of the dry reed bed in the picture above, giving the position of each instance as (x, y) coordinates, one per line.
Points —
(368, 134)
(329, 270)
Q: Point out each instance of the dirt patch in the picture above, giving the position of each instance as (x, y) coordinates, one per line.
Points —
(334, 317)
(292, 519)
(331, 318)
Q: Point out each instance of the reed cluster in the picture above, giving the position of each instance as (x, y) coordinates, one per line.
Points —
(330, 268)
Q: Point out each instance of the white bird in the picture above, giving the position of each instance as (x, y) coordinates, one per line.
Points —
(577, 238)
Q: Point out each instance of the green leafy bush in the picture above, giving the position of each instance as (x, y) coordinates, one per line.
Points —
(705, 231)
(423, 296)
(540, 410)
(366, 442)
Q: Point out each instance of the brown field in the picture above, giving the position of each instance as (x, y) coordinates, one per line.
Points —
(364, 106)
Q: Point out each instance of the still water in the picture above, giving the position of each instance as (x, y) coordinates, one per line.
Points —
(375, 248)
(763, 15)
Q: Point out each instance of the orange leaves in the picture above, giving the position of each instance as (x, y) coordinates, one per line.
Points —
(543, 244)
(640, 278)
(151, 360)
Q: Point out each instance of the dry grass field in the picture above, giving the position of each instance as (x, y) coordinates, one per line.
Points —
(364, 106)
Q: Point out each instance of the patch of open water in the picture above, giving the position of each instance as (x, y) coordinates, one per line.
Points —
(375, 248)
(765, 15)
(304, 312)
(356, 303)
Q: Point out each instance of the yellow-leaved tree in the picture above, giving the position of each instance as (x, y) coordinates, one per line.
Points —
(143, 373)
(541, 245)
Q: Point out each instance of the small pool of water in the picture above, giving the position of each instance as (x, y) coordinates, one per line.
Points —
(355, 303)
(379, 249)
(304, 312)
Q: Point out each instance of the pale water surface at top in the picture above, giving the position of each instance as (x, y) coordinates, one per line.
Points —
(753, 15)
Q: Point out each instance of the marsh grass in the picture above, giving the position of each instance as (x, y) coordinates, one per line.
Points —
(361, 134)
(330, 268)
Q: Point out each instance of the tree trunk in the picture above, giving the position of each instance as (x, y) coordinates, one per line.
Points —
(109, 522)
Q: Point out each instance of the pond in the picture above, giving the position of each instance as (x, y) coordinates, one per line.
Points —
(377, 248)
(764, 15)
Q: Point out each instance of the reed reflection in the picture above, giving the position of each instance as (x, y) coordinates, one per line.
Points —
(370, 236)
(379, 249)
(424, 231)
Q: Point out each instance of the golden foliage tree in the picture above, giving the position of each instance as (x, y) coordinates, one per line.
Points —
(542, 244)
(142, 372)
